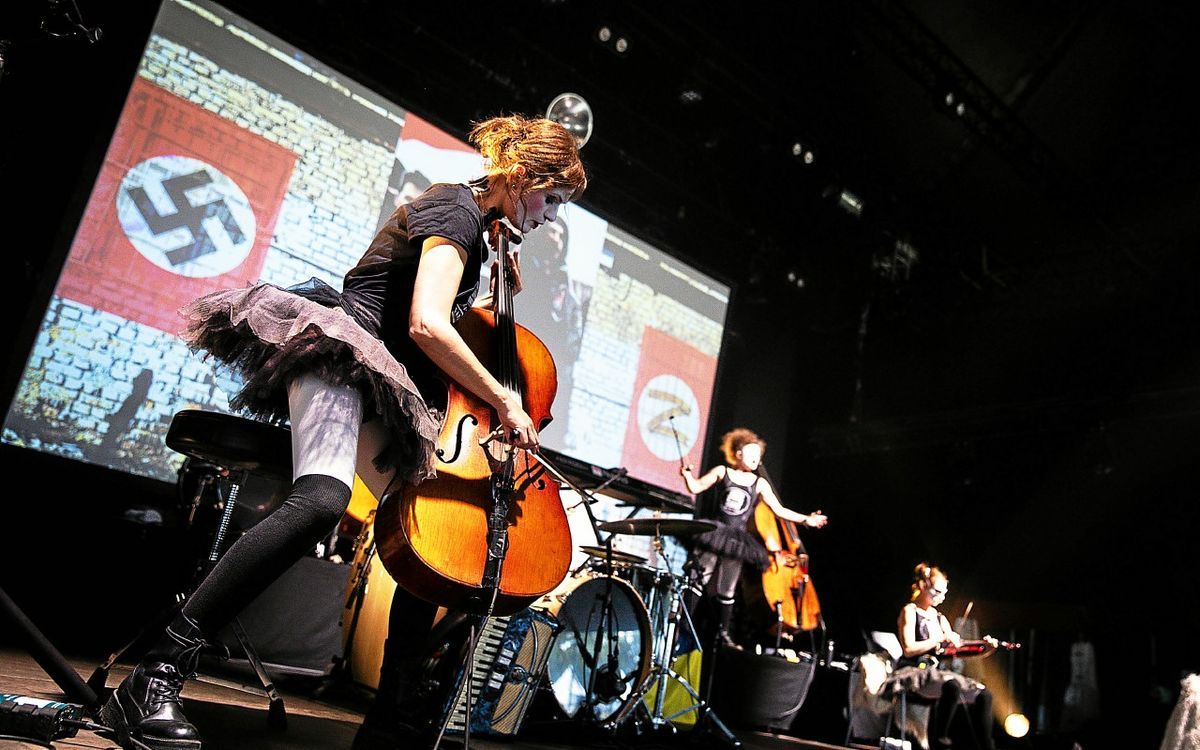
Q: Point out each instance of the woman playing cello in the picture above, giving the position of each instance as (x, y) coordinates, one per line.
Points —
(351, 371)
(720, 553)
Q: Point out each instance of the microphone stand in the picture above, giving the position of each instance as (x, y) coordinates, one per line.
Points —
(608, 618)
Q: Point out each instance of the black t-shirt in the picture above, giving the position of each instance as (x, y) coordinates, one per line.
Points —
(380, 287)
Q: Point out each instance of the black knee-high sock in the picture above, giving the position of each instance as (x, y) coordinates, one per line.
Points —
(947, 706)
(313, 508)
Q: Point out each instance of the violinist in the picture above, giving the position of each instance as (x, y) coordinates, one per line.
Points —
(925, 634)
(350, 371)
(719, 554)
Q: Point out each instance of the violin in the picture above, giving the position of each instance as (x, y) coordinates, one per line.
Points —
(978, 647)
(489, 534)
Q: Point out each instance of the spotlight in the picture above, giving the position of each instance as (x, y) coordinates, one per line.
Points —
(795, 279)
(573, 113)
(1016, 725)
(950, 99)
(613, 39)
(690, 96)
(960, 109)
(850, 203)
(803, 153)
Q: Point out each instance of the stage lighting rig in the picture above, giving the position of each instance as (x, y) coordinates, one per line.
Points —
(62, 19)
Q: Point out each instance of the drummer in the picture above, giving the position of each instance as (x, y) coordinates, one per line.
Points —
(719, 554)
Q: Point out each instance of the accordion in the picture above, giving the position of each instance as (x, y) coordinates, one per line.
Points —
(508, 665)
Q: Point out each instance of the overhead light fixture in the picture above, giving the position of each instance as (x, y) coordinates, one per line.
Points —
(850, 203)
(612, 39)
(804, 152)
(573, 113)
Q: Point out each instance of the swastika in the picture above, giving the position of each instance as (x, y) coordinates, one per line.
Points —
(187, 215)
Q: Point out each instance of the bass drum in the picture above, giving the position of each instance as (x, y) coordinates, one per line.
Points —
(592, 676)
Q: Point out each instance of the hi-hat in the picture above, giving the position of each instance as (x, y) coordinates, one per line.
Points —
(624, 558)
(658, 526)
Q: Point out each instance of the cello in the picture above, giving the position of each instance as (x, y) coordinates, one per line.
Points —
(787, 586)
(489, 534)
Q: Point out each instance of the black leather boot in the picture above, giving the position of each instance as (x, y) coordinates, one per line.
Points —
(390, 723)
(145, 707)
(724, 620)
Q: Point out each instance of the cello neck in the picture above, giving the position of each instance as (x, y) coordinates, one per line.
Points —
(508, 372)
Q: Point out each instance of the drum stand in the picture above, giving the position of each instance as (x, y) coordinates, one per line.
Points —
(661, 671)
(276, 712)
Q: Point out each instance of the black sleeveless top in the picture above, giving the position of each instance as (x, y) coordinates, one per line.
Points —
(922, 633)
(735, 502)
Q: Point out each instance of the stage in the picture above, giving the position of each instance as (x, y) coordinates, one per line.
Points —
(233, 716)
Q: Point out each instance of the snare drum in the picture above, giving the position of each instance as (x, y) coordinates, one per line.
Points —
(592, 676)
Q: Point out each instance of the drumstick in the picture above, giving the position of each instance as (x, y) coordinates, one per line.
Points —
(967, 614)
(678, 445)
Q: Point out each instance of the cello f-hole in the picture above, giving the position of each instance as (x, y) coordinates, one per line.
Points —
(458, 438)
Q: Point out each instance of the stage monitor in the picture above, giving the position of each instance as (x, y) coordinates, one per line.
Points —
(239, 159)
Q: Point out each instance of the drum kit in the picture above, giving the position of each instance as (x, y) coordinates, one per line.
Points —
(620, 619)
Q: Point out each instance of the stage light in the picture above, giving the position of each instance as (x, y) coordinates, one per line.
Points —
(850, 203)
(1016, 725)
(573, 113)
(803, 152)
(690, 96)
(960, 110)
(613, 40)
(950, 99)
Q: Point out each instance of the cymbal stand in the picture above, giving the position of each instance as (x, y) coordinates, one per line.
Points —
(661, 670)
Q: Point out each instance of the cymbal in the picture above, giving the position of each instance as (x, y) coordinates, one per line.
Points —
(658, 526)
(618, 556)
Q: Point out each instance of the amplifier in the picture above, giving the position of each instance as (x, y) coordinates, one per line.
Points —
(508, 665)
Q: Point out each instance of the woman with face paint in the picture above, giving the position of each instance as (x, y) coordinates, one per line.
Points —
(721, 553)
(924, 634)
(354, 372)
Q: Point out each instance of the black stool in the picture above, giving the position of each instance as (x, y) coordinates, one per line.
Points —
(235, 447)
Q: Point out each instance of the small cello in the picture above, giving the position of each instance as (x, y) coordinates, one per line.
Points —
(489, 534)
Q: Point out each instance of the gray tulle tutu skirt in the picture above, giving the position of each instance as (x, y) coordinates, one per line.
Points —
(270, 335)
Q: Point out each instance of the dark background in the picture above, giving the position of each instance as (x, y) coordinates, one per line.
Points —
(1019, 405)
